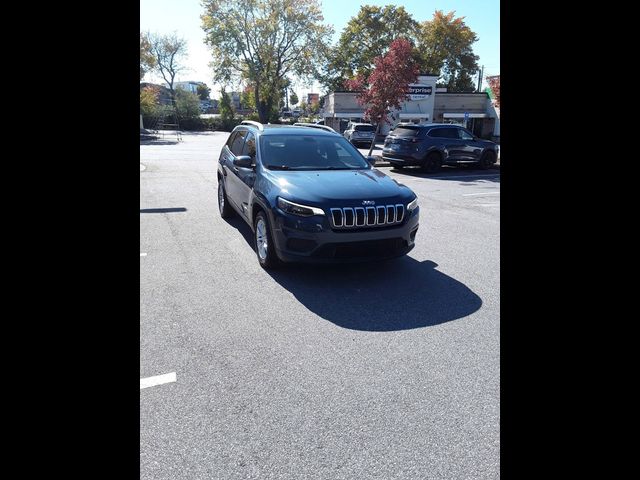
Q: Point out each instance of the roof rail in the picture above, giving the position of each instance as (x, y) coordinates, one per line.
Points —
(258, 125)
(314, 125)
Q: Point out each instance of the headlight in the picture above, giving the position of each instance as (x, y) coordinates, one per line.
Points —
(411, 206)
(297, 209)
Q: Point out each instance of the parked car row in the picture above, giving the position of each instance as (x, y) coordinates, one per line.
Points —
(432, 145)
(428, 146)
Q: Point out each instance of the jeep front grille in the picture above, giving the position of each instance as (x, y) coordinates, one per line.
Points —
(382, 215)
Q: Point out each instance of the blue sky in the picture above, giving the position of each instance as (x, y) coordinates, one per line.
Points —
(183, 17)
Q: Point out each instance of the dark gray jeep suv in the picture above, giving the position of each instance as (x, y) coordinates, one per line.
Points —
(309, 195)
(432, 145)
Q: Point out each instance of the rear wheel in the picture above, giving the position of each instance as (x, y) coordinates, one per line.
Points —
(265, 248)
(487, 160)
(432, 163)
(223, 204)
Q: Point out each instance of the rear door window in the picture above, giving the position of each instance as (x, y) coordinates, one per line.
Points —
(446, 132)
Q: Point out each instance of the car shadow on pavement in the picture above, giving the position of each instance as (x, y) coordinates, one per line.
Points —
(399, 294)
(461, 174)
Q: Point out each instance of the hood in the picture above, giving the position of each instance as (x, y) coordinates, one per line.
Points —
(350, 187)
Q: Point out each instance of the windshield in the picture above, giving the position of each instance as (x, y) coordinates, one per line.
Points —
(310, 152)
(365, 128)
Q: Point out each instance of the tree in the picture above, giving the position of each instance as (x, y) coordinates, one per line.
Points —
(147, 60)
(388, 84)
(203, 91)
(227, 114)
(445, 48)
(303, 108)
(149, 100)
(262, 41)
(293, 99)
(248, 99)
(169, 52)
(494, 84)
(366, 36)
(314, 108)
(187, 104)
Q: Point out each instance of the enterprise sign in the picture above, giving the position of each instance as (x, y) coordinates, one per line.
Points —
(418, 92)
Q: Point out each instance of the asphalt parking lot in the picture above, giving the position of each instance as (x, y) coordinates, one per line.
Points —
(388, 370)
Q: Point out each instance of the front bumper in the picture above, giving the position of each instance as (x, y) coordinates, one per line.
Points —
(311, 239)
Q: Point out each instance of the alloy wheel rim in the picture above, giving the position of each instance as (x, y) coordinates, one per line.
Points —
(261, 239)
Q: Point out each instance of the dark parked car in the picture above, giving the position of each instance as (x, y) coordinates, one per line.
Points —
(432, 145)
(309, 195)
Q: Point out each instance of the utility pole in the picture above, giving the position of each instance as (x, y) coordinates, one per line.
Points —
(480, 74)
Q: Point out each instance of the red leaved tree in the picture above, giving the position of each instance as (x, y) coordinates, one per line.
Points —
(494, 84)
(388, 85)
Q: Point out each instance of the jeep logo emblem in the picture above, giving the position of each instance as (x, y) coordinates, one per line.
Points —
(368, 202)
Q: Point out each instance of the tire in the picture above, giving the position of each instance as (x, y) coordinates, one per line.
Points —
(223, 203)
(487, 160)
(432, 163)
(397, 166)
(263, 242)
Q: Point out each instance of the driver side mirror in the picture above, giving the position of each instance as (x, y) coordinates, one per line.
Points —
(372, 160)
(243, 161)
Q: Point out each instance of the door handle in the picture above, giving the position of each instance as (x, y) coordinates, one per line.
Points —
(235, 169)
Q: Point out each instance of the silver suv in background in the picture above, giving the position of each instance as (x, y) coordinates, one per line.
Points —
(360, 133)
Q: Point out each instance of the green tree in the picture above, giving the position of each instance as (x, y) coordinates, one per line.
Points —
(227, 114)
(147, 60)
(262, 41)
(169, 52)
(293, 98)
(365, 37)
(248, 99)
(187, 105)
(203, 91)
(445, 48)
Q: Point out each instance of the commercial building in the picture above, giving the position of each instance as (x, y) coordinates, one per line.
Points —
(426, 104)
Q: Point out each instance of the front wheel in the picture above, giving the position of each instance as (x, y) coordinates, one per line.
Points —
(265, 248)
(223, 203)
(487, 160)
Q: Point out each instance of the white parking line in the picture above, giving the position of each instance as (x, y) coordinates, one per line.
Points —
(157, 380)
(484, 193)
(143, 254)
